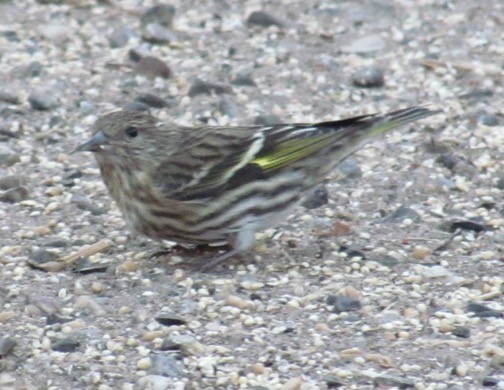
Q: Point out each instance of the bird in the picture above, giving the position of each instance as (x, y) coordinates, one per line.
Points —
(222, 184)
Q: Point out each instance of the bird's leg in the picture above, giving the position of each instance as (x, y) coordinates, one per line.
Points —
(239, 243)
(191, 249)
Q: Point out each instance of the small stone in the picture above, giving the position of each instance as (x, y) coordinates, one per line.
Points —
(482, 311)
(243, 80)
(120, 36)
(447, 160)
(200, 87)
(152, 67)
(467, 225)
(43, 100)
(86, 204)
(15, 195)
(84, 266)
(12, 181)
(420, 252)
(461, 331)
(33, 69)
(7, 156)
(489, 120)
(136, 106)
(387, 261)
(8, 97)
(152, 100)
(400, 214)
(317, 198)
(143, 363)
(158, 34)
(154, 382)
(160, 13)
(170, 320)
(385, 381)
(264, 19)
(500, 183)
(341, 303)
(164, 364)
(267, 120)
(7, 345)
(367, 44)
(65, 345)
(350, 168)
(293, 384)
(228, 107)
(233, 300)
(370, 77)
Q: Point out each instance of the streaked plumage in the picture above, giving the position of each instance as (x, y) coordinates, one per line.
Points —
(208, 184)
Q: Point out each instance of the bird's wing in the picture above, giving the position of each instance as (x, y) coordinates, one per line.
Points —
(213, 159)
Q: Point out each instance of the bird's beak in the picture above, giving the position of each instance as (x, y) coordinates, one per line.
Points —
(93, 145)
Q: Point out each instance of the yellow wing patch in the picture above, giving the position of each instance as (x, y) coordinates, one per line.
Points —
(292, 151)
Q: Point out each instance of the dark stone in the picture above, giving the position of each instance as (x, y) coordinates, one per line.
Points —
(267, 120)
(159, 13)
(152, 67)
(468, 225)
(12, 181)
(43, 101)
(447, 160)
(65, 345)
(341, 303)
(200, 87)
(482, 311)
(7, 345)
(400, 214)
(489, 120)
(462, 332)
(15, 195)
(164, 364)
(317, 198)
(370, 77)
(152, 100)
(264, 19)
(170, 320)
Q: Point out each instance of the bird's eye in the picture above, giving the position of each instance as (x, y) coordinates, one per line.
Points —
(131, 131)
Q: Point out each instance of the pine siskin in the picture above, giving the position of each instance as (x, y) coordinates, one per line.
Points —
(212, 184)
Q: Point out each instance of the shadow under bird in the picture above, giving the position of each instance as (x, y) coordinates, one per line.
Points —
(202, 185)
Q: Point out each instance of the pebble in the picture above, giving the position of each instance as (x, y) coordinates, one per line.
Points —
(65, 345)
(15, 195)
(8, 97)
(401, 214)
(490, 120)
(317, 198)
(7, 345)
(144, 363)
(152, 67)
(200, 87)
(369, 77)
(120, 36)
(267, 120)
(350, 168)
(154, 382)
(7, 156)
(264, 19)
(420, 252)
(228, 107)
(244, 80)
(160, 13)
(364, 45)
(43, 100)
(164, 364)
(152, 100)
(341, 303)
(158, 34)
(482, 311)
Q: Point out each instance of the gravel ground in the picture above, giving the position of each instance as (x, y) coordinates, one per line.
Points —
(391, 277)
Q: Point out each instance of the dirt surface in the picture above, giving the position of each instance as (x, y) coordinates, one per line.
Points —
(395, 280)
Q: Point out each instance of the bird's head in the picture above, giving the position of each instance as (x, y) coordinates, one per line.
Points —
(126, 133)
